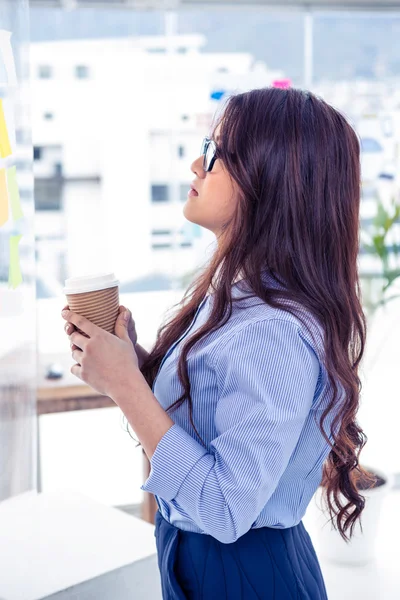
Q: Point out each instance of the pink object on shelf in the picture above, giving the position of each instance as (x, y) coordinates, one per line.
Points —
(284, 84)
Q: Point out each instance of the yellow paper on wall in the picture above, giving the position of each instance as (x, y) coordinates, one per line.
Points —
(5, 146)
(3, 198)
(13, 193)
(14, 272)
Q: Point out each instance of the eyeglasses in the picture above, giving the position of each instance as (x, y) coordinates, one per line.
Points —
(209, 151)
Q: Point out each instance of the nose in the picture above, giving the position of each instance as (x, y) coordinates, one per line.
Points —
(197, 167)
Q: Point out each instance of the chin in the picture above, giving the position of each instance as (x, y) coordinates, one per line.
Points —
(188, 213)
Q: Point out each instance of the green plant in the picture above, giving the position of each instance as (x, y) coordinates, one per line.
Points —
(381, 238)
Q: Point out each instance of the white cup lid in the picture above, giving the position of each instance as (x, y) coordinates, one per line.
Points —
(90, 283)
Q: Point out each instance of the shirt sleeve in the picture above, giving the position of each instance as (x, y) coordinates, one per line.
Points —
(266, 376)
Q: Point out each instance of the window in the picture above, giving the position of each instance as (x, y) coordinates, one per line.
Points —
(157, 50)
(370, 145)
(161, 246)
(48, 193)
(37, 152)
(45, 72)
(159, 193)
(23, 165)
(387, 126)
(369, 192)
(166, 246)
(22, 136)
(161, 232)
(184, 188)
(181, 151)
(82, 72)
(48, 116)
(25, 193)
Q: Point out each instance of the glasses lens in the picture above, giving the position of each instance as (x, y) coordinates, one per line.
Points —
(209, 155)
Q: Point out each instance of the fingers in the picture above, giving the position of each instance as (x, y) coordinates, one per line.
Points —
(80, 322)
(69, 328)
(77, 355)
(79, 340)
(123, 309)
(131, 322)
(131, 325)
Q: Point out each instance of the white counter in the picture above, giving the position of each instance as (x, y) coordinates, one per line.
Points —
(64, 545)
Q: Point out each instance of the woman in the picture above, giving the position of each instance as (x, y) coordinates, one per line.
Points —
(259, 367)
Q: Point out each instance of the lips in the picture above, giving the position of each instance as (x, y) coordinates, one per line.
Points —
(193, 191)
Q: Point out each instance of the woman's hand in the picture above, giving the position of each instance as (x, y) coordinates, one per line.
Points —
(141, 353)
(104, 361)
(131, 325)
(69, 327)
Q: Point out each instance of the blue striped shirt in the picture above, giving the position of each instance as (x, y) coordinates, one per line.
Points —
(258, 385)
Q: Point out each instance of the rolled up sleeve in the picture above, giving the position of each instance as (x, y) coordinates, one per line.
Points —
(266, 376)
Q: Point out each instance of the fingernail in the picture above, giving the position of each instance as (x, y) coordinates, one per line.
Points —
(126, 316)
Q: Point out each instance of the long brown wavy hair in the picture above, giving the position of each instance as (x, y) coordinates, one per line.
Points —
(296, 160)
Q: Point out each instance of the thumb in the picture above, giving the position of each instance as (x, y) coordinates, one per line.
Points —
(121, 325)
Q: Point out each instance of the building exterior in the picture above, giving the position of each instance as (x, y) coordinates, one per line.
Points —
(116, 126)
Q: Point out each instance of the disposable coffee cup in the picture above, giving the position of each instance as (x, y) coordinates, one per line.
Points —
(95, 297)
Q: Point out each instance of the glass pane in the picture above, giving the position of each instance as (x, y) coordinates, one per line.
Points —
(17, 268)
(360, 76)
(124, 143)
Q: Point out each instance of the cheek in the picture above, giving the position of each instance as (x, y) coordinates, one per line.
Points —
(215, 206)
(225, 203)
(219, 198)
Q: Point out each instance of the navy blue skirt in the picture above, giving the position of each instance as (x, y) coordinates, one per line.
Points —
(263, 564)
